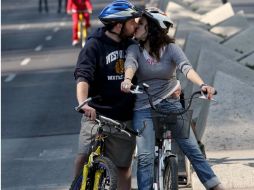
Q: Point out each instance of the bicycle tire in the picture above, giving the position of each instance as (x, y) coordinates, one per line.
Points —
(170, 177)
(109, 175)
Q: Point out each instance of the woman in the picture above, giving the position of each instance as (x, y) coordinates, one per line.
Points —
(154, 61)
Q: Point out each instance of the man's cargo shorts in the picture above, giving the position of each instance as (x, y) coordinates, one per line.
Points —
(119, 147)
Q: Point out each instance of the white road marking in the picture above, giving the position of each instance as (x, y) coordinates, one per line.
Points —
(48, 38)
(56, 29)
(50, 155)
(10, 77)
(62, 24)
(38, 48)
(25, 61)
(39, 187)
(21, 27)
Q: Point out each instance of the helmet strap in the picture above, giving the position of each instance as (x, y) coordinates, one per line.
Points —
(112, 32)
(121, 34)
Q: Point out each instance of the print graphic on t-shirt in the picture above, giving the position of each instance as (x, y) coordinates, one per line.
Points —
(119, 68)
(117, 59)
(149, 59)
(118, 54)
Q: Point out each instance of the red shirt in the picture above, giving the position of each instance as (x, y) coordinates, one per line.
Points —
(79, 5)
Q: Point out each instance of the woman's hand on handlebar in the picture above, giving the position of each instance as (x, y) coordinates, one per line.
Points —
(209, 90)
(89, 112)
(126, 85)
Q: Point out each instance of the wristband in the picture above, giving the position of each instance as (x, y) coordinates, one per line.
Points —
(127, 78)
(203, 85)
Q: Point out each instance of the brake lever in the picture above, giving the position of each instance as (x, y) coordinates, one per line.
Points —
(203, 96)
(123, 131)
(136, 91)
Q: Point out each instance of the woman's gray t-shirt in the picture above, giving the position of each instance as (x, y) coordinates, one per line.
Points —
(160, 76)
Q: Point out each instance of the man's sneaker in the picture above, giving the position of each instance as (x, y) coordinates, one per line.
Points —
(75, 42)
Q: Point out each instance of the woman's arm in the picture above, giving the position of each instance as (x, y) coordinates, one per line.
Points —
(131, 66)
(128, 76)
(193, 76)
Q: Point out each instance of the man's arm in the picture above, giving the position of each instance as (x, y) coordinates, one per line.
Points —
(82, 95)
(82, 91)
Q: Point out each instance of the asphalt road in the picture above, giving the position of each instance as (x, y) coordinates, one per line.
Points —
(39, 125)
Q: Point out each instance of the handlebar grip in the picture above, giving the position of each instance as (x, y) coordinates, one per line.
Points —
(133, 87)
(215, 92)
(79, 107)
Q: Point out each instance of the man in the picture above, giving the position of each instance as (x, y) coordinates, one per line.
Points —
(99, 71)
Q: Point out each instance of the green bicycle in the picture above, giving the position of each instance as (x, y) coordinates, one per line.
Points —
(100, 172)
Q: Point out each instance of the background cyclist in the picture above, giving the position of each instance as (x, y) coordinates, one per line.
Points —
(73, 6)
(100, 71)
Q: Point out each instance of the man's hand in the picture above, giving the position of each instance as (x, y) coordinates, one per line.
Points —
(89, 112)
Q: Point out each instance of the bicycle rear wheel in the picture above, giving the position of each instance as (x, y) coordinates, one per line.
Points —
(170, 178)
(107, 179)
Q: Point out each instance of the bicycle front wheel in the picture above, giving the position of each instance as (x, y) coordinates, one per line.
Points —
(170, 178)
(106, 177)
(77, 183)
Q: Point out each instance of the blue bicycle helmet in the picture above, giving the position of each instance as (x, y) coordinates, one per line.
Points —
(118, 11)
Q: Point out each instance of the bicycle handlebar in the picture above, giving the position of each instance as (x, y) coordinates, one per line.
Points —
(101, 119)
(79, 107)
(137, 90)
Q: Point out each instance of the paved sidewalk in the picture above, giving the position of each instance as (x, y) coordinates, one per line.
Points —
(234, 168)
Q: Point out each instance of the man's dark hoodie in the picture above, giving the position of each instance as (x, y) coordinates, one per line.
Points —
(101, 65)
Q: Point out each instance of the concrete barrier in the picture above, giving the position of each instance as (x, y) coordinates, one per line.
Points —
(185, 27)
(243, 42)
(218, 15)
(202, 6)
(248, 60)
(177, 12)
(231, 26)
(209, 63)
(195, 41)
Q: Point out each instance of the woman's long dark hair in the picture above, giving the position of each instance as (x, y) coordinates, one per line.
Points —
(157, 37)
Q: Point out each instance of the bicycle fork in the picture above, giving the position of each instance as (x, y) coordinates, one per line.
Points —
(86, 170)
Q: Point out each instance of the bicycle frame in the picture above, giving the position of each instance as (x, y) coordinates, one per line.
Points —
(98, 165)
(82, 30)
